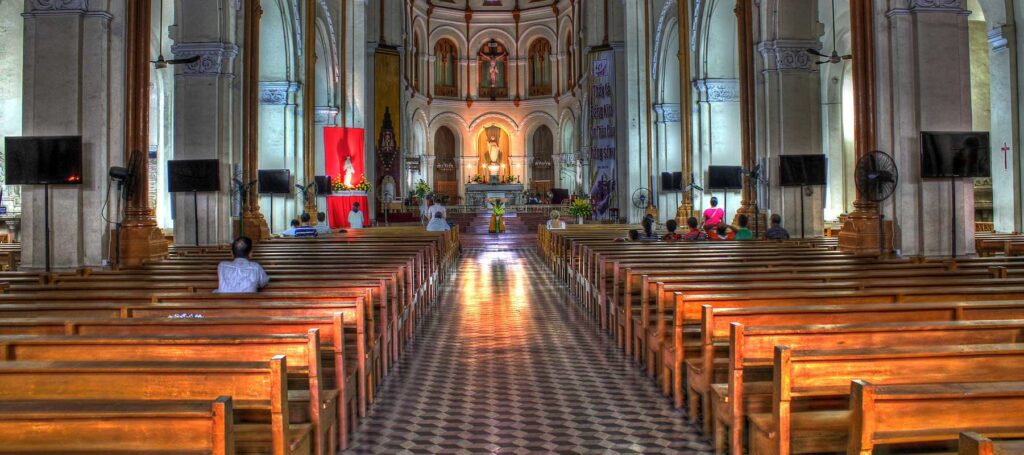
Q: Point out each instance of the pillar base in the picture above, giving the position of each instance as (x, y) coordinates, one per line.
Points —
(683, 214)
(141, 244)
(254, 226)
(860, 235)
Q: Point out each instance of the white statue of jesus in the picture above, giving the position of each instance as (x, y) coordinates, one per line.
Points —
(493, 151)
(350, 170)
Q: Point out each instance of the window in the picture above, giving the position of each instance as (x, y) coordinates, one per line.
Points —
(446, 69)
(540, 68)
(570, 62)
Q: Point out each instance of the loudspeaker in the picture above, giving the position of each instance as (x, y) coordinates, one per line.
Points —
(667, 182)
(323, 185)
(677, 181)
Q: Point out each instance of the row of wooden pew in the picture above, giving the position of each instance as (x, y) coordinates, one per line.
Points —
(152, 360)
(795, 347)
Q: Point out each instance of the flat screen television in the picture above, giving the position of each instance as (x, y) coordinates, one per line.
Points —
(275, 181)
(802, 170)
(55, 160)
(947, 155)
(559, 195)
(186, 176)
(725, 178)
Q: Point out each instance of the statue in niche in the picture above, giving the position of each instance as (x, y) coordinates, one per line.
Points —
(350, 171)
(493, 152)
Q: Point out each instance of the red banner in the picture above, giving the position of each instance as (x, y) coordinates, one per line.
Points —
(341, 144)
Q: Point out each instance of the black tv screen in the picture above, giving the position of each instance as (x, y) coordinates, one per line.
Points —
(802, 170)
(947, 155)
(275, 181)
(725, 178)
(185, 176)
(55, 160)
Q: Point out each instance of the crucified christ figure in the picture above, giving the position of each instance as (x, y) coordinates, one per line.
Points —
(493, 54)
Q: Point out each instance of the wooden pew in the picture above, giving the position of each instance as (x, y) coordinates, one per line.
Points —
(107, 427)
(972, 443)
(812, 377)
(901, 414)
(322, 405)
(256, 386)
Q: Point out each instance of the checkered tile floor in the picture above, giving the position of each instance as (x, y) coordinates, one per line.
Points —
(506, 365)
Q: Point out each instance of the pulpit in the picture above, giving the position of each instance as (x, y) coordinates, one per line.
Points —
(340, 204)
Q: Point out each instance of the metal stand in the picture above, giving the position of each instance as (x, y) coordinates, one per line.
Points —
(952, 211)
(802, 212)
(46, 222)
(118, 224)
(195, 211)
(271, 229)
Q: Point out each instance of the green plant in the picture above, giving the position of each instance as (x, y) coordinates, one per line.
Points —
(581, 208)
(499, 208)
(422, 189)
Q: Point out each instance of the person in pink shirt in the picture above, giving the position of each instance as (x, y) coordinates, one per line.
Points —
(713, 215)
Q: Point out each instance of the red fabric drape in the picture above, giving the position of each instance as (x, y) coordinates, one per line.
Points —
(339, 206)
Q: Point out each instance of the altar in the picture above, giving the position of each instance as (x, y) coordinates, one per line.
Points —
(477, 194)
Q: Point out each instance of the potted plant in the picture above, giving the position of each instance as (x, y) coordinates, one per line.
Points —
(497, 225)
(581, 209)
(422, 189)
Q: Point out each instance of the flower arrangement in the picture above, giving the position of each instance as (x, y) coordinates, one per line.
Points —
(497, 224)
(422, 189)
(477, 179)
(499, 207)
(338, 185)
(512, 179)
(363, 185)
(581, 208)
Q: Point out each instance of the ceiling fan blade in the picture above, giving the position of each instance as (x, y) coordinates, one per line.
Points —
(822, 62)
(183, 61)
(816, 52)
(848, 57)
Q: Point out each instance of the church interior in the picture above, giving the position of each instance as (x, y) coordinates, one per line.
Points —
(511, 226)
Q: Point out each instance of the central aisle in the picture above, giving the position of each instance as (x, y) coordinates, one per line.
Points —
(507, 366)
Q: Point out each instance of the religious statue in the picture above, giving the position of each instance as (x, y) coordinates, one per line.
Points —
(493, 152)
(493, 54)
(350, 170)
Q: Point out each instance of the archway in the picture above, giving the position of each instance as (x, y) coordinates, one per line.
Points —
(445, 181)
(542, 172)
(494, 146)
(12, 34)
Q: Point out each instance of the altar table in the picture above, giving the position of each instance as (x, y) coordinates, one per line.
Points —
(340, 204)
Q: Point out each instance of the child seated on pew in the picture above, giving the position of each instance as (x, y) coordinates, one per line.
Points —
(648, 225)
(722, 232)
(241, 275)
(694, 233)
(671, 235)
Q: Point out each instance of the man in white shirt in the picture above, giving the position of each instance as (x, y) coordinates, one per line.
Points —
(355, 217)
(322, 226)
(436, 208)
(241, 275)
(438, 223)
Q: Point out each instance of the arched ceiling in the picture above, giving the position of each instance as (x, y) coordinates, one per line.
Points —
(493, 5)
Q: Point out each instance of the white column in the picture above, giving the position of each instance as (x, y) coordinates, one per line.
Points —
(1006, 186)
(911, 100)
(73, 85)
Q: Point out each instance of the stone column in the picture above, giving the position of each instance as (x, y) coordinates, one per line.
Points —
(1007, 204)
(73, 85)
(308, 104)
(791, 92)
(683, 13)
(252, 223)
(205, 110)
(914, 99)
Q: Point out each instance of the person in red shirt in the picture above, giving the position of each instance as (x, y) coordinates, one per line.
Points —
(722, 232)
(671, 236)
(694, 233)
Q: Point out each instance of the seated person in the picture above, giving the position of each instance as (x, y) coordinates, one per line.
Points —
(297, 230)
(438, 224)
(632, 236)
(355, 217)
(722, 232)
(776, 231)
(694, 233)
(556, 223)
(713, 215)
(671, 236)
(241, 275)
(743, 232)
(322, 226)
(648, 225)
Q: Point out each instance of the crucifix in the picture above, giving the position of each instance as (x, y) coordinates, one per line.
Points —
(491, 56)
(1005, 149)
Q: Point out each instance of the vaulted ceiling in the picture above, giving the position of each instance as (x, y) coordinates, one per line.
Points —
(493, 5)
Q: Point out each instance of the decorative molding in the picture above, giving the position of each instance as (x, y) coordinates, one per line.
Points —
(276, 92)
(718, 90)
(667, 112)
(930, 6)
(215, 59)
(58, 5)
(788, 55)
(325, 115)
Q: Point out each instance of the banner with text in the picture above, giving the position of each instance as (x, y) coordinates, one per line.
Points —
(602, 132)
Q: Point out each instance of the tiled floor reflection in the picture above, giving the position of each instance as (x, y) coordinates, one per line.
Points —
(506, 366)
